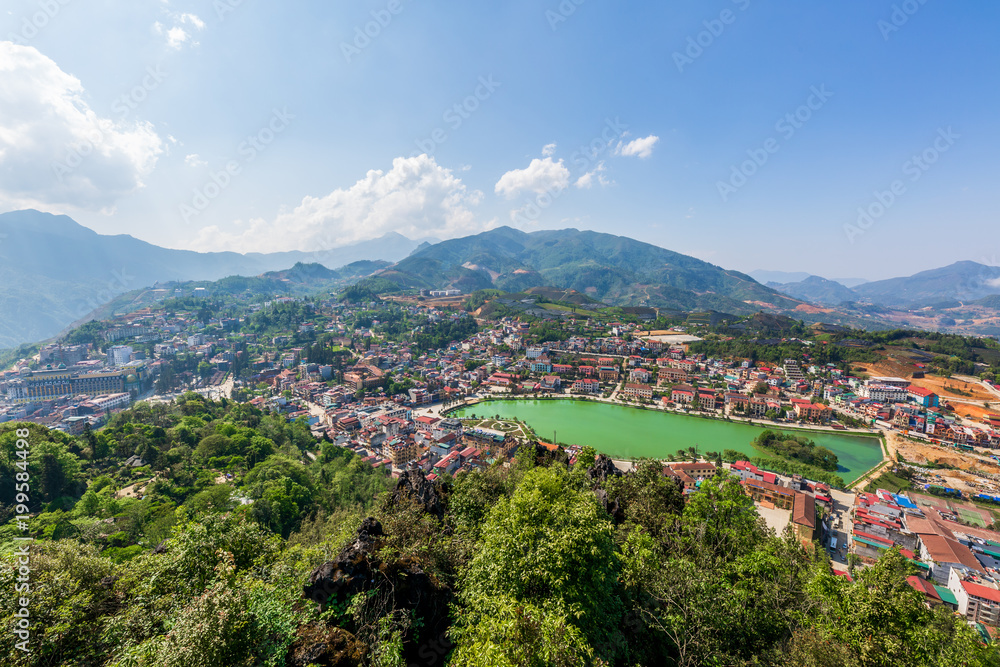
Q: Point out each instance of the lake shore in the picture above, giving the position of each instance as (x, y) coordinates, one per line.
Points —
(640, 433)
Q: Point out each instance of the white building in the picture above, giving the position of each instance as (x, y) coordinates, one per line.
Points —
(884, 393)
(978, 599)
(119, 355)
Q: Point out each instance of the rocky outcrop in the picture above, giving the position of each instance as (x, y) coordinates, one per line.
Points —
(351, 571)
(400, 584)
(413, 485)
(613, 506)
(319, 644)
(603, 468)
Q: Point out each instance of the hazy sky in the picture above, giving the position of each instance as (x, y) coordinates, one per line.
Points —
(744, 132)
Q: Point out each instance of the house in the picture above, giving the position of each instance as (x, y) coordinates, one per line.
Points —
(947, 554)
(802, 505)
(781, 497)
(737, 401)
(978, 600)
(671, 375)
(748, 471)
(587, 386)
(541, 366)
(607, 374)
(810, 411)
(700, 470)
(640, 375)
(707, 399)
(638, 391)
(682, 394)
(923, 397)
(551, 382)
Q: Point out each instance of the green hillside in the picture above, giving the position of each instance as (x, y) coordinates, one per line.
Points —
(613, 269)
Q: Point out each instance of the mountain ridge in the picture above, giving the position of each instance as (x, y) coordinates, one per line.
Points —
(55, 271)
(617, 269)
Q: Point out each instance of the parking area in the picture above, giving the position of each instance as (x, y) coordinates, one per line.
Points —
(775, 518)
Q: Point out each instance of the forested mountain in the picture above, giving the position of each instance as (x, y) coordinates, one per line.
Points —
(817, 290)
(616, 269)
(961, 281)
(55, 271)
(229, 547)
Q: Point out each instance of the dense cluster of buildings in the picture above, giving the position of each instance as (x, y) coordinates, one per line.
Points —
(897, 403)
(67, 396)
(957, 564)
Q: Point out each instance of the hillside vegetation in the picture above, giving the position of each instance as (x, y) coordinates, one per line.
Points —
(798, 448)
(302, 562)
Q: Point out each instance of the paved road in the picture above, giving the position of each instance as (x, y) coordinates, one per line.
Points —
(842, 505)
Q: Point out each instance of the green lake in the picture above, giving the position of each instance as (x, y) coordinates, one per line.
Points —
(626, 432)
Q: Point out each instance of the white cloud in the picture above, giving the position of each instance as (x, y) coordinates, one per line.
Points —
(193, 20)
(548, 149)
(176, 35)
(416, 198)
(993, 282)
(540, 176)
(194, 161)
(54, 149)
(587, 180)
(641, 148)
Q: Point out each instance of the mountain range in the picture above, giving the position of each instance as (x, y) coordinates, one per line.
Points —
(55, 271)
(958, 284)
(614, 269)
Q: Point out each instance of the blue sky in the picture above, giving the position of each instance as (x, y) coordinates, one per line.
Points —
(253, 126)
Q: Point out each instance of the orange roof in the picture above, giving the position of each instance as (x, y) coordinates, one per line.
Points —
(980, 591)
(804, 510)
(922, 526)
(924, 586)
(947, 550)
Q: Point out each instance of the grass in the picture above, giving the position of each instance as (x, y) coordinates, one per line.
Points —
(503, 425)
(973, 518)
(890, 482)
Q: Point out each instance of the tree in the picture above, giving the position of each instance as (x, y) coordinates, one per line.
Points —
(550, 546)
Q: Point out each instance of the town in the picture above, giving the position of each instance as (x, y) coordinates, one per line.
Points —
(410, 384)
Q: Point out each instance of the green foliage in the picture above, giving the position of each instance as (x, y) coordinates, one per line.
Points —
(543, 564)
(512, 633)
(798, 448)
(445, 332)
(53, 470)
(549, 545)
(368, 289)
(789, 467)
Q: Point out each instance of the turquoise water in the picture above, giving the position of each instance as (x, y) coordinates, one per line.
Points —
(626, 432)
